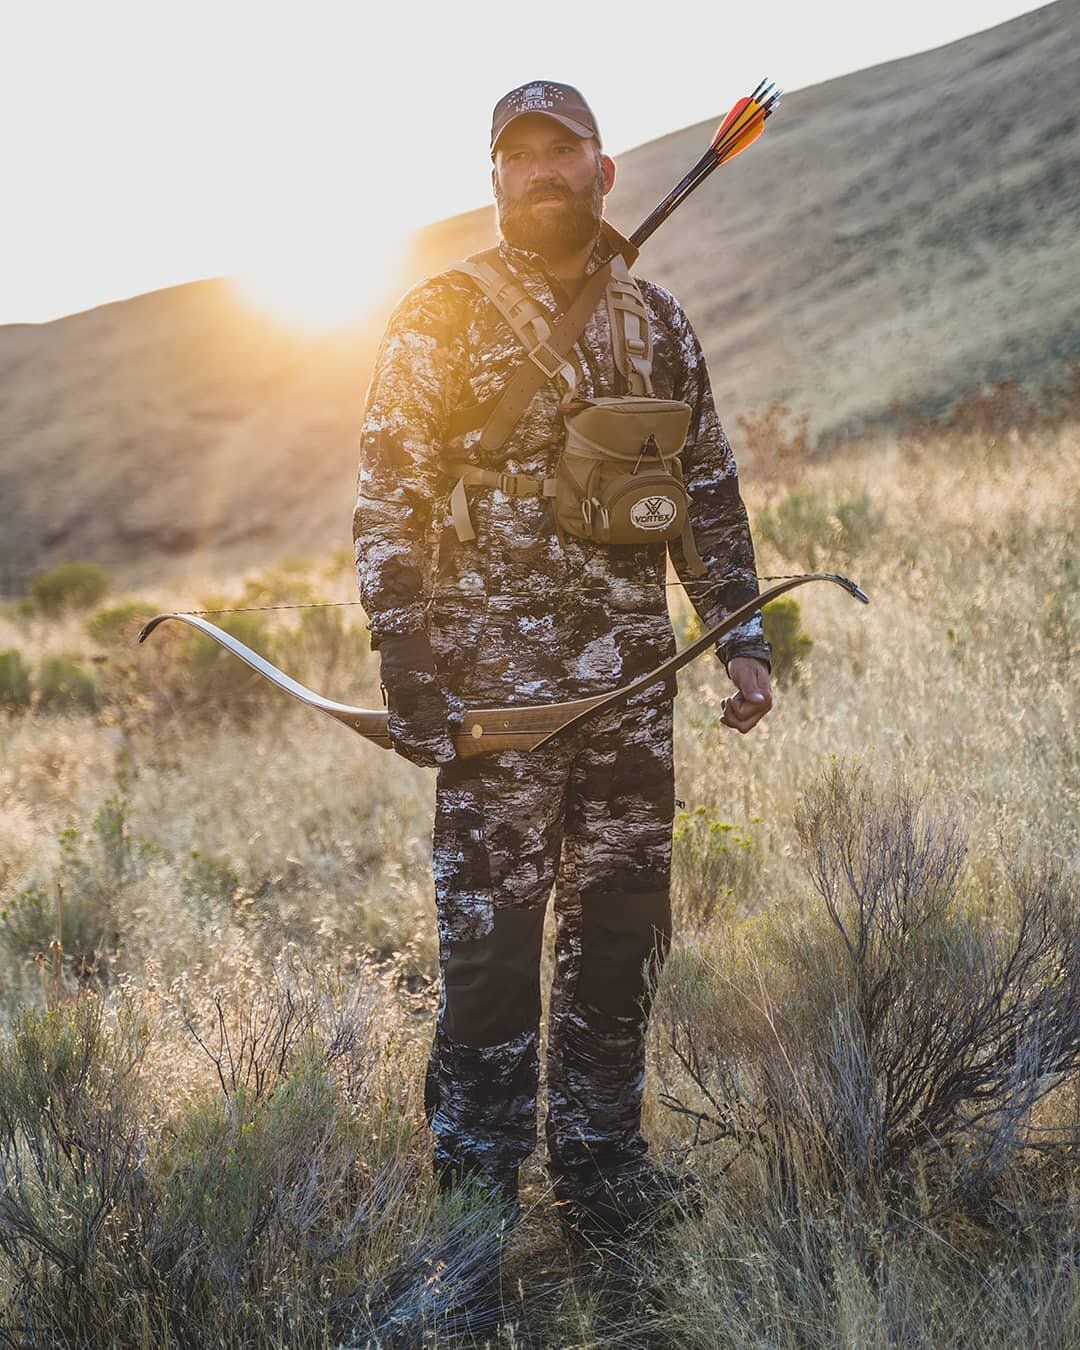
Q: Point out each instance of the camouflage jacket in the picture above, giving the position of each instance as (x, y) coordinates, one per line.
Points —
(515, 616)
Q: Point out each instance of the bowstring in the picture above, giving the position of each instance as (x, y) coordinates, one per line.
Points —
(503, 595)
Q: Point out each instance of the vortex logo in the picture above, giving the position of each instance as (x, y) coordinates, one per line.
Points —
(652, 513)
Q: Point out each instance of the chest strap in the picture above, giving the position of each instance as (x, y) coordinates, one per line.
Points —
(511, 484)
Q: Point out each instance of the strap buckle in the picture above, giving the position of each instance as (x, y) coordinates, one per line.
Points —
(544, 349)
(519, 485)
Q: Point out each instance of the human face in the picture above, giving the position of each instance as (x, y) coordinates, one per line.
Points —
(549, 187)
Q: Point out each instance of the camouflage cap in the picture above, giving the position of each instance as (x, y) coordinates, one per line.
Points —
(560, 101)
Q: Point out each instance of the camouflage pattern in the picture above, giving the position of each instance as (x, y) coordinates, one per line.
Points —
(517, 617)
(592, 815)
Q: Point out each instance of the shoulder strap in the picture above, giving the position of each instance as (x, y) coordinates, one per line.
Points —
(631, 340)
(547, 349)
(526, 317)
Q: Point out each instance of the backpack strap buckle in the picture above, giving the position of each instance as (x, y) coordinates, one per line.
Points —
(519, 485)
(548, 360)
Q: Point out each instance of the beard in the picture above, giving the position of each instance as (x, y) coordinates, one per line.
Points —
(552, 234)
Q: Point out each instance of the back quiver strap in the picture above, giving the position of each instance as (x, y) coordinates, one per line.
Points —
(631, 339)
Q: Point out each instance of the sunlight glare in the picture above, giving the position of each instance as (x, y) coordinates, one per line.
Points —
(318, 294)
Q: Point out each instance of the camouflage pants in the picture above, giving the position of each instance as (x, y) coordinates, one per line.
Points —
(591, 816)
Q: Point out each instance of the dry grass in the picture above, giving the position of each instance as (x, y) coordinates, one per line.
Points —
(276, 1192)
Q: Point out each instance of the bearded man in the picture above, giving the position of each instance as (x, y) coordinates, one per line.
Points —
(511, 609)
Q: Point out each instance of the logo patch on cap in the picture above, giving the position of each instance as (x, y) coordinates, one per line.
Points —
(536, 96)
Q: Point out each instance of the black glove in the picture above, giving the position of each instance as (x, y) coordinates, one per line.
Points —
(416, 704)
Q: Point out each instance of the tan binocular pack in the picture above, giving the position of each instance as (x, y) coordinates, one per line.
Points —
(619, 480)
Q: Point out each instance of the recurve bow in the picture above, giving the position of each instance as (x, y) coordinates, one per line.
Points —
(525, 727)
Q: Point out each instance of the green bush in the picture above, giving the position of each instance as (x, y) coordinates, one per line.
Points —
(64, 684)
(811, 528)
(95, 865)
(209, 680)
(324, 646)
(284, 584)
(210, 882)
(14, 680)
(71, 585)
(119, 623)
(786, 636)
(713, 864)
(291, 1209)
(27, 923)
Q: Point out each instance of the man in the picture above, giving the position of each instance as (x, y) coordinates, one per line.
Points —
(522, 615)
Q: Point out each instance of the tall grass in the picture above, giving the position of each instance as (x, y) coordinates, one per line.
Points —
(865, 1042)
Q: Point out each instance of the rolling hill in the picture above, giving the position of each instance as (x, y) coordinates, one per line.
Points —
(899, 234)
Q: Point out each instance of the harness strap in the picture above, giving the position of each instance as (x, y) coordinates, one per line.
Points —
(529, 376)
(510, 484)
(500, 414)
(525, 316)
(694, 565)
(631, 339)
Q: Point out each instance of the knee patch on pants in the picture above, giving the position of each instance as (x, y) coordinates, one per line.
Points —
(492, 984)
(624, 940)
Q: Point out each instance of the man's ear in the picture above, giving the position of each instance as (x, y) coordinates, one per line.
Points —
(607, 173)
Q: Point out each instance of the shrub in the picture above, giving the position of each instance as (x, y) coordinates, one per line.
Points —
(285, 584)
(789, 641)
(285, 1208)
(27, 923)
(211, 681)
(808, 527)
(896, 1028)
(81, 916)
(71, 585)
(210, 882)
(119, 623)
(324, 646)
(14, 680)
(713, 863)
(64, 684)
(778, 452)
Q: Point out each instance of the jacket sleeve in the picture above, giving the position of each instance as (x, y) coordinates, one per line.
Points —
(413, 385)
(717, 514)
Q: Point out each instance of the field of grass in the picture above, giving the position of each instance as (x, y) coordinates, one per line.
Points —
(217, 951)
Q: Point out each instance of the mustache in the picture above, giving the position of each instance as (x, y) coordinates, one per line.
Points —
(538, 194)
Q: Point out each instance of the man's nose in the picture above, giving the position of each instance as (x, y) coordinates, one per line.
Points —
(544, 171)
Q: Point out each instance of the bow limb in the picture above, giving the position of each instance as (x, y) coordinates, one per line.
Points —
(368, 722)
(483, 730)
(708, 639)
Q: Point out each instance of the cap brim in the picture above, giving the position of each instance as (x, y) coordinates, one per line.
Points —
(578, 128)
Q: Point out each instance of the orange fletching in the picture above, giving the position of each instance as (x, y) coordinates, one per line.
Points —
(746, 118)
(729, 119)
(744, 138)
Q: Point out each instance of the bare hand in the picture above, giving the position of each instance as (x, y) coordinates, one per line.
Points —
(745, 709)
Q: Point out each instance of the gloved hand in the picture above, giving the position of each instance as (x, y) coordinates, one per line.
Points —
(417, 706)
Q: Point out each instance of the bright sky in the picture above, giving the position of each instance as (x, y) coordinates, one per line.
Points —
(156, 142)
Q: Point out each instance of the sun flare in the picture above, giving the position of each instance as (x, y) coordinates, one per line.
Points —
(318, 294)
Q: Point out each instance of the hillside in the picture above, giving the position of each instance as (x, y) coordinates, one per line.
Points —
(899, 234)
